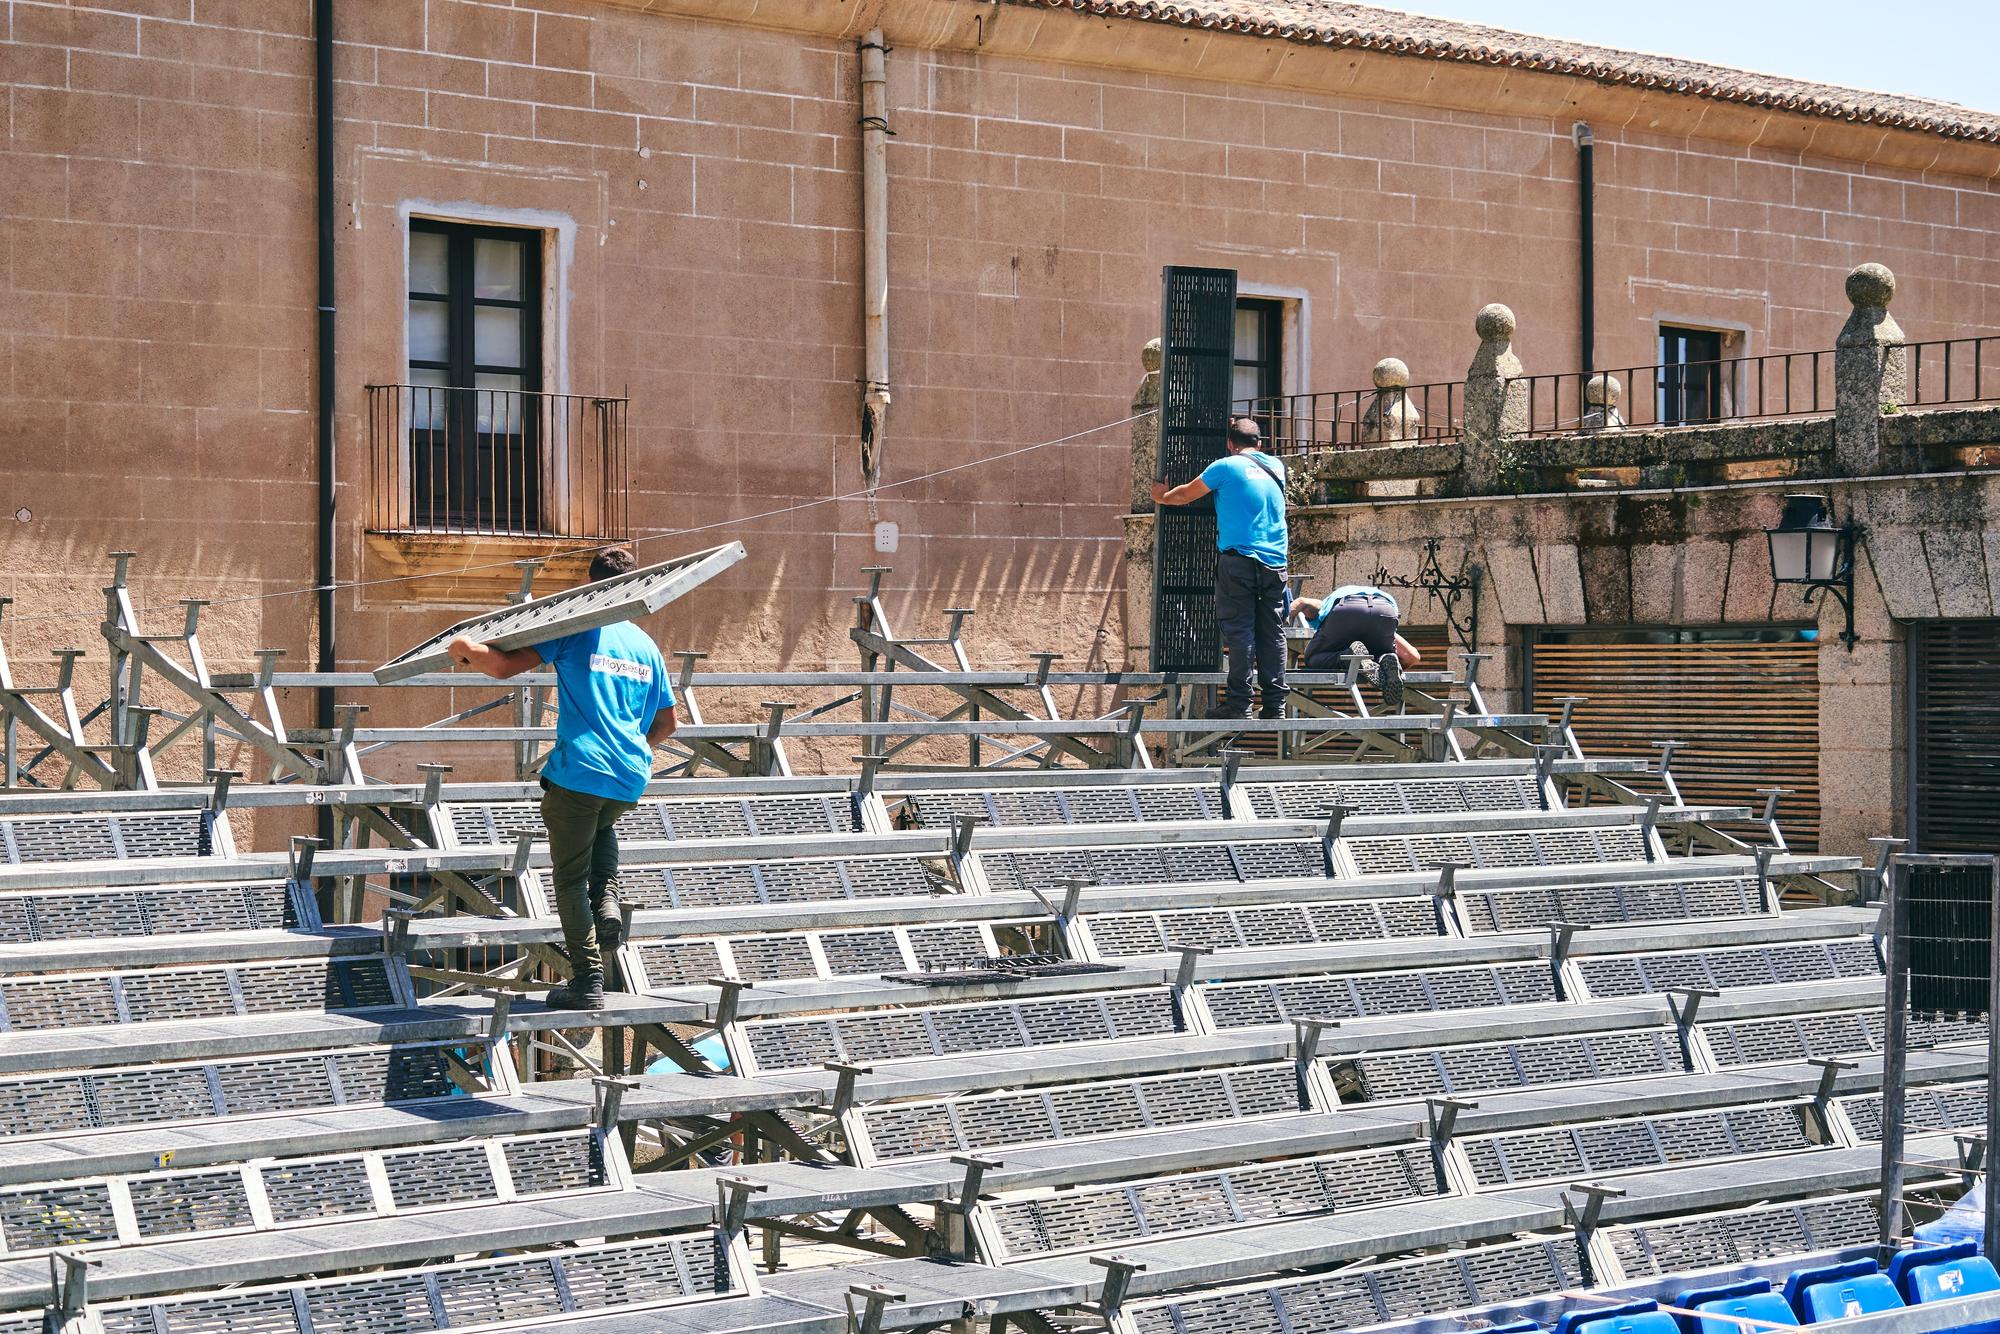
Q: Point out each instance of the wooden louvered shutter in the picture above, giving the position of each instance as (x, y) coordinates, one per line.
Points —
(1955, 735)
(1746, 712)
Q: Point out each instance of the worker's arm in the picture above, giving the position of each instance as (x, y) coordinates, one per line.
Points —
(498, 663)
(1184, 494)
(1305, 609)
(664, 724)
(1406, 652)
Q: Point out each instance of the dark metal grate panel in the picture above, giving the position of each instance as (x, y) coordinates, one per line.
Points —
(1523, 1064)
(1806, 1036)
(1740, 1236)
(946, 1030)
(184, 1202)
(53, 1216)
(1958, 1107)
(1741, 966)
(1432, 1285)
(1534, 908)
(1094, 1216)
(1635, 1144)
(1408, 796)
(1122, 934)
(1198, 344)
(1347, 996)
(1077, 1111)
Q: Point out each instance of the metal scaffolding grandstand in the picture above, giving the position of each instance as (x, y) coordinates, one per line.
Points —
(1028, 1022)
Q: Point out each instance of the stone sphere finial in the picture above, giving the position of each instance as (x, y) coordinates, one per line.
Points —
(1151, 354)
(1494, 323)
(1871, 285)
(1391, 373)
(1603, 390)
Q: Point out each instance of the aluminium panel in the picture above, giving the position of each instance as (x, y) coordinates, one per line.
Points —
(538, 620)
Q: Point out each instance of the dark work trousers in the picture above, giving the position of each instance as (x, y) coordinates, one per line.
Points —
(1366, 621)
(583, 856)
(1250, 611)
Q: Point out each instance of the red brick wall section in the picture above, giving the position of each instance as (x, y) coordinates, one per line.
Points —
(156, 308)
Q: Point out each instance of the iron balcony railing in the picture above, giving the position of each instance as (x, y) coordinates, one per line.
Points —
(1953, 370)
(1356, 418)
(1681, 393)
(496, 461)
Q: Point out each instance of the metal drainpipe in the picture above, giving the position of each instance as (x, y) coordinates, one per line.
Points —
(874, 251)
(327, 658)
(1586, 229)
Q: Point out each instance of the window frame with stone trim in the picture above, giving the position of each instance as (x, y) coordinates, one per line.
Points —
(440, 500)
(1673, 341)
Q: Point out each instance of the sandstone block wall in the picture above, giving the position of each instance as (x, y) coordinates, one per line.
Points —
(156, 284)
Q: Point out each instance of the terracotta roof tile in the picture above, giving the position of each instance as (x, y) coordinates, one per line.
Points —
(1331, 23)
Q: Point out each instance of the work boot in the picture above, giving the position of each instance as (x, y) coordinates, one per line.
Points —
(585, 989)
(610, 914)
(1389, 676)
(1369, 671)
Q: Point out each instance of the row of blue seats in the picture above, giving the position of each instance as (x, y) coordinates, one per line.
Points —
(1830, 1292)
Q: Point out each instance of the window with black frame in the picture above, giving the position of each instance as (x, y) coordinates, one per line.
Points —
(475, 429)
(1691, 380)
(1259, 361)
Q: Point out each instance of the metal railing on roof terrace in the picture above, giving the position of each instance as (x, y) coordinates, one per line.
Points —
(1415, 414)
(1953, 370)
(1683, 393)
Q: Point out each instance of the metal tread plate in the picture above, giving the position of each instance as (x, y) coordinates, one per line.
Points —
(1007, 807)
(1640, 974)
(71, 1000)
(952, 1030)
(1359, 995)
(1093, 1217)
(1629, 1053)
(42, 1105)
(26, 839)
(1649, 900)
(929, 1129)
(1432, 1285)
(1125, 934)
(689, 1266)
(1578, 1152)
(1663, 1246)
(1316, 799)
(776, 815)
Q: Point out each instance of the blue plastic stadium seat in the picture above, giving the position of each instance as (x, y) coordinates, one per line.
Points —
(1752, 1299)
(1940, 1273)
(1633, 1318)
(1829, 1292)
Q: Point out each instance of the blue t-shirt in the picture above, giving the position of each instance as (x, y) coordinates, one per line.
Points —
(610, 682)
(1353, 590)
(1249, 505)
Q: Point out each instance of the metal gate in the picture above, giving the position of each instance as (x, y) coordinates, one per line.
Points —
(1955, 735)
(1198, 349)
(1744, 705)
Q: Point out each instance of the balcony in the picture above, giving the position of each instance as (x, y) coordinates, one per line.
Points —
(496, 463)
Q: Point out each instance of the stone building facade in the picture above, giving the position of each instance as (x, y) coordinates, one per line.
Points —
(687, 175)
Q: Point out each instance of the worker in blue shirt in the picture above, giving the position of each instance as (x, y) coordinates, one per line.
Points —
(614, 706)
(1251, 594)
(1363, 621)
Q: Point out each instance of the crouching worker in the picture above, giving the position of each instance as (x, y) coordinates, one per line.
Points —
(1358, 620)
(614, 706)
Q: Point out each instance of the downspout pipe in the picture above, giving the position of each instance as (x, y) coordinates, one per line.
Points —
(326, 658)
(1586, 235)
(874, 252)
